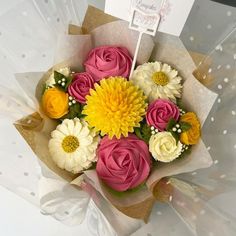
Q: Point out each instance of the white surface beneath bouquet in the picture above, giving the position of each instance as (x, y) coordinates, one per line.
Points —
(20, 218)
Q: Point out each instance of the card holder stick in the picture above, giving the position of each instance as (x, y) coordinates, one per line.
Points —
(143, 29)
(136, 53)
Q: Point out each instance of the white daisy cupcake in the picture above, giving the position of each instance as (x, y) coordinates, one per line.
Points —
(158, 80)
(73, 145)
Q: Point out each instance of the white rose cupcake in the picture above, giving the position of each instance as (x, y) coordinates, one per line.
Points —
(73, 145)
(158, 80)
(164, 148)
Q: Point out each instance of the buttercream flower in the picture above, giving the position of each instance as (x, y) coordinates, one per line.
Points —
(115, 107)
(158, 80)
(50, 82)
(55, 103)
(160, 112)
(192, 135)
(123, 163)
(108, 61)
(80, 86)
(73, 145)
(164, 148)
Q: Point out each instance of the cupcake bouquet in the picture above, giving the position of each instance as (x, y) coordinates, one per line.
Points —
(121, 127)
(113, 133)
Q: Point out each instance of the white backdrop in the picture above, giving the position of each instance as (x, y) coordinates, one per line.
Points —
(18, 217)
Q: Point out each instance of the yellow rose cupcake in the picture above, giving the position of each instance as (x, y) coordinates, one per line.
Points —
(191, 136)
(55, 103)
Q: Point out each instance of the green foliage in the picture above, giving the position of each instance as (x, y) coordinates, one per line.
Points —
(137, 131)
(185, 126)
(175, 135)
(186, 152)
(44, 89)
(59, 77)
(179, 103)
(74, 111)
(93, 166)
(125, 193)
(171, 124)
(143, 132)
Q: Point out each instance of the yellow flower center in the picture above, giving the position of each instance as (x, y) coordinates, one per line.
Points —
(70, 144)
(160, 78)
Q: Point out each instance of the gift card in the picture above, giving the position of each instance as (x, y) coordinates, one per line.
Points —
(146, 16)
(144, 13)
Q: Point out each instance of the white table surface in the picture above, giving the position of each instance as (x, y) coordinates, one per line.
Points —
(18, 217)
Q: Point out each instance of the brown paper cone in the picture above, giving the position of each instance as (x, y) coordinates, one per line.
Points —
(94, 18)
(37, 135)
(162, 190)
(142, 210)
(75, 30)
(201, 73)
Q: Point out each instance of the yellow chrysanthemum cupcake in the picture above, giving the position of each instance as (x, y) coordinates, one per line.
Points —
(115, 107)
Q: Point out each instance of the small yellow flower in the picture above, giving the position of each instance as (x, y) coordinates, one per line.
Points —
(55, 103)
(115, 107)
(191, 136)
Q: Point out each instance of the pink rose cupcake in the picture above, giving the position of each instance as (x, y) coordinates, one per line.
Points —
(80, 86)
(160, 112)
(123, 163)
(106, 61)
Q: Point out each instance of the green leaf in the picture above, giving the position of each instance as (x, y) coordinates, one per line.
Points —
(179, 102)
(76, 108)
(74, 111)
(58, 77)
(93, 166)
(175, 135)
(44, 89)
(186, 152)
(137, 131)
(180, 105)
(81, 116)
(68, 82)
(185, 126)
(146, 131)
(125, 193)
(143, 132)
(171, 124)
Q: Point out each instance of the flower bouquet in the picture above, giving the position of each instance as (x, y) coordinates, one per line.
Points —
(115, 135)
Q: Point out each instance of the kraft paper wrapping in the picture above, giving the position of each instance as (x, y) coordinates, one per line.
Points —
(37, 136)
(101, 29)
